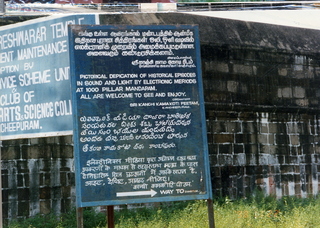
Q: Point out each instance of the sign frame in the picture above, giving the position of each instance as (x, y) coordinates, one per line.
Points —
(78, 109)
(35, 77)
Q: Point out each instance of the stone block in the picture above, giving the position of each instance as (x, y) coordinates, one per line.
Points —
(225, 149)
(292, 127)
(251, 148)
(215, 172)
(55, 192)
(263, 138)
(228, 116)
(253, 138)
(283, 150)
(233, 127)
(214, 159)
(281, 159)
(305, 139)
(238, 148)
(302, 102)
(282, 127)
(294, 140)
(5, 195)
(66, 151)
(37, 141)
(314, 101)
(282, 139)
(66, 192)
(247, 116)
(35, 151)
(265, 149)
(217, 183)
(242, 138)
(273, 149)
(71, 178)
(213, 149)
(273, 128)
(216, 86)
(66, 165)
(65, 140)
(45, 165)
(295, 150)
(250, 170)
(223, 138)
(221, 67)
(285, 169)
(44, 179)
(225, 160)
(239, 159)
(232, 86)
(20, 180)
(293, 160)
(10, 152)
(23, 193)
(45, 193)
(285, 92)
(66, 205)
(299, 92)
(307, 148)
(45, 207)
(4, 181)
(219, 127)
(283, 71)
(242, 69)
(297, 190)
(264, 128)
(17, 142)
(23, 209)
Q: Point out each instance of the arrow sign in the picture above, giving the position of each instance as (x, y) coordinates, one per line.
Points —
(139, 193)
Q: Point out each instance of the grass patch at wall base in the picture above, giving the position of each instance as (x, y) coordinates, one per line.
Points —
(258, 212)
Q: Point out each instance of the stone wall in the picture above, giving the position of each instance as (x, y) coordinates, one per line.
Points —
(263, 121)
(261, 85)
(261, 88)
(275, 152)
(37, 176)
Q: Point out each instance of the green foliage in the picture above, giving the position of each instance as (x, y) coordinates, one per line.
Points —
(91, 219)
(257, 211)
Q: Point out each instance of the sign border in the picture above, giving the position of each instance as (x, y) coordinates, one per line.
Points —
(208, 194)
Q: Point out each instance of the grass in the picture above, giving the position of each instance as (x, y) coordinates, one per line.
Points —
(257, 212)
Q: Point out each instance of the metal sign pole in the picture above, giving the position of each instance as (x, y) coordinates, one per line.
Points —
(79, 217)
(110, 211)
(210, 213)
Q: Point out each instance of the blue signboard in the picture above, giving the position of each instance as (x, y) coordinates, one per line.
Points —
(35, 97)
(138, 114)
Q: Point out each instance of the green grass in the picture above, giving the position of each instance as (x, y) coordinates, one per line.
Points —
(258, 212)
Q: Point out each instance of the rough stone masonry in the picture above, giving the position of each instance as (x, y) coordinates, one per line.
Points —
(261, 85)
